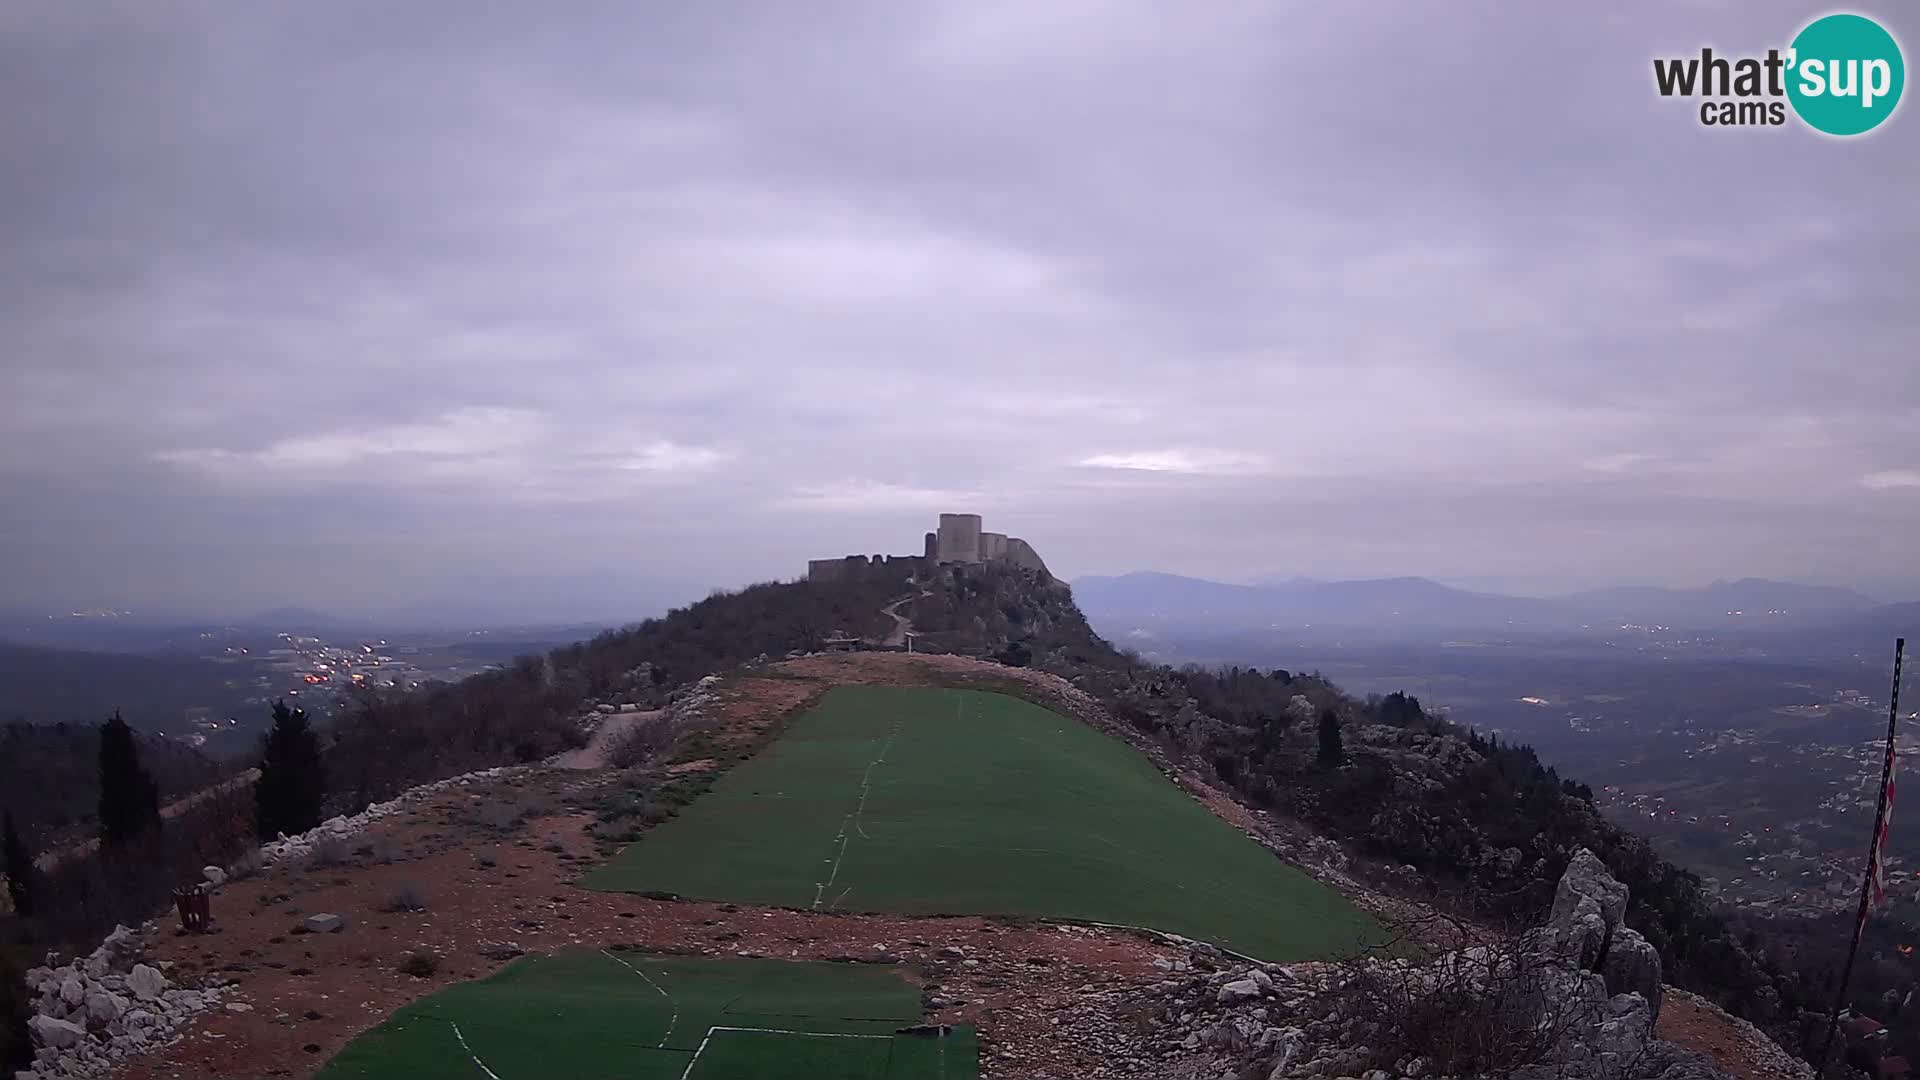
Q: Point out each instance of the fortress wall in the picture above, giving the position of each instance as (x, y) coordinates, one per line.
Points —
(993, 546)
(827, 569)
(852, 567)
(1021, 554)
(959, 538)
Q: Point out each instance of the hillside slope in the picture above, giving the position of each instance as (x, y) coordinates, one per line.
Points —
(1483, 825)
(1475, 824)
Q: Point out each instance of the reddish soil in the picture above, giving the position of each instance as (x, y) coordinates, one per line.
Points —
(1043, 998)
(312, 993)
(1739, 1048)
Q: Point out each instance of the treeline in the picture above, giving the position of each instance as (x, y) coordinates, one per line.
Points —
(48, 774)
(527, 710)
(142, 856)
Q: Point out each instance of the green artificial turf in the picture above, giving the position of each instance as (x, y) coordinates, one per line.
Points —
(963, 802)
(623, 1015)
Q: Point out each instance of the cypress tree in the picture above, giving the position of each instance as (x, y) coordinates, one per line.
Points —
(129, 799)
(1332, 752)
(20, 870)
(293, 778)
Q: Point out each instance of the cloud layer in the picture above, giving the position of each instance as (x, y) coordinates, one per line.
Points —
(365, 307)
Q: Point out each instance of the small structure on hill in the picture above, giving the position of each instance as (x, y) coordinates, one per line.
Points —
(958, 541)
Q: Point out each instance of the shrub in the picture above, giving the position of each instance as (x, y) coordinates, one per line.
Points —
(1478, 1011)
(328, 851)
(406, 897)
(247, 865)
(499, 816)
(641, 742)
(420, 965)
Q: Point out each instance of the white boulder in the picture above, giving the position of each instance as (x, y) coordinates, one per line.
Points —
(58, 1034)
(146, 982)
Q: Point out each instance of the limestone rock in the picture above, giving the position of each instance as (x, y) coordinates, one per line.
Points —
(1587, 878)
(73, 991)
(58, 1034)
(146, 982)
(1632, 966)
(214, 876)
(1237, 991)
(104, 1008)
(121, 950)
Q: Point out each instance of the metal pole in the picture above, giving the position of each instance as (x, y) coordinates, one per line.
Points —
(1873, 855)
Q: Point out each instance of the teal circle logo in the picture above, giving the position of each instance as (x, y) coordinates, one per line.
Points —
(1845, 74)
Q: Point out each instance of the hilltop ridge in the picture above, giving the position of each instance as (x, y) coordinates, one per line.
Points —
(1407, 812)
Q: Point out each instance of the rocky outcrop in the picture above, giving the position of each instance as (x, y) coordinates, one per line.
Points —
(93, 1012)
(1577, 996)
(1588, 932)
(1587, 906)
(1632, 966)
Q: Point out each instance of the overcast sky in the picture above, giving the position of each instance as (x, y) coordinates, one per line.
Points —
(558, 309)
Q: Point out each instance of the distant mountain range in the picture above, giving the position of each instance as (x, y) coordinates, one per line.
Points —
(1420, 604)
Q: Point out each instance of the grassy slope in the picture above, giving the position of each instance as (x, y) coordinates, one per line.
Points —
(979, 803)
(589, 1015)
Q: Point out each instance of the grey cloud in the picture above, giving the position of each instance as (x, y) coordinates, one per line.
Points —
(688, 293)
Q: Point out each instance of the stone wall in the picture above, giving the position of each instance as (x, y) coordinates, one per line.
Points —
(1021, 554)
(852, 567)
(830, 569)
(959, 539)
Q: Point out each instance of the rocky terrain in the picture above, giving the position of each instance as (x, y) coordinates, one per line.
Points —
(94, 1012)
(1577, 997)
(322, 936)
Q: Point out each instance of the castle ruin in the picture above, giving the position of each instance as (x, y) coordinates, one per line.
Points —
(958, 540)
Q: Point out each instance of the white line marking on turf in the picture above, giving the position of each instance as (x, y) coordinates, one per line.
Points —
(866, 788)
(470, 1053)
(688, 1071)
(661, 1045)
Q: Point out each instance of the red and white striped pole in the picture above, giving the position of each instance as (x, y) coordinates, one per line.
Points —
(1873, 890)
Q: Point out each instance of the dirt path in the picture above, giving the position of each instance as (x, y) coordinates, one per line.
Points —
(594, 755)
(1735, 1045)
(901, 624)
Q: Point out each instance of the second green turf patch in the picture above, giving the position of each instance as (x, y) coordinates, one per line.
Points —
(961, 802)
(623, 1015)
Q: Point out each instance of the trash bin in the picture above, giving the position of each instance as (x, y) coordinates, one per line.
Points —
(194, 902)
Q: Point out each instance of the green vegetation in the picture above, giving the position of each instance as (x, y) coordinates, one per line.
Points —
(293, 779)
(50, 774)
(619, 1015)
(129, 799)
(1492, 828)
(963, 802)
(387, 743)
